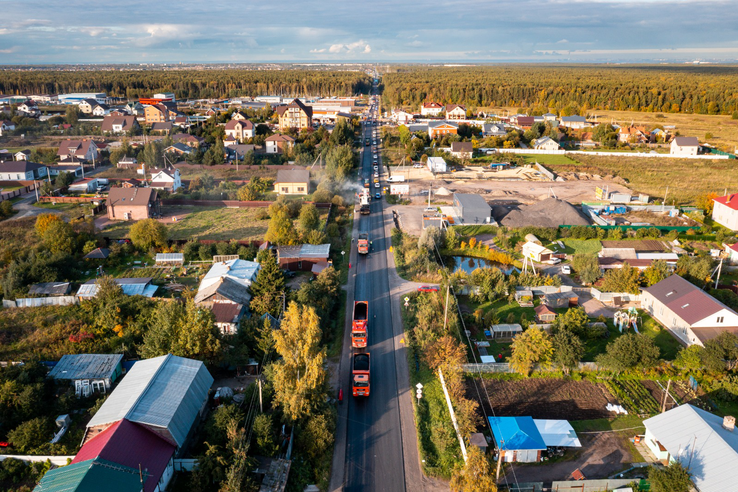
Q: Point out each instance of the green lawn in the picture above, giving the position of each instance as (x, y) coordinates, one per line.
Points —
(474, 230)
(578, 246)
(669, 345)
(599, 425)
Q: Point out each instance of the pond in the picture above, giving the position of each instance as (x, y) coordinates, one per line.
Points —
(469, 264)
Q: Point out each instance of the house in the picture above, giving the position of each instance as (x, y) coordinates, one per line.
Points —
(6, 126)
(545, 314)
(239, 129)
(130, 286)
(401, 117)
(129, 445)
(292, 182)
(81, 150)
(179, 148)
(524, 122)
(561, 299)
(162, 127)
(731, 251)
(455, 112)
(191, 141)
(545, 143)
(692, 315)
(228, 316)
(302, 257)
(575, 122)
(100, 110)
(704, 443)
(536, 252)
(431, 109)
(295, 115)
(50, 289)
(167, 395)
(440, 128)
(472, 209)
(75, 169)
(130, 183)
(98, 254)
(237, 152)
(89, 373)
(684, 146)
(28, 108)
(278, 143)
(228, 281)
(493, 130)
(156, 113)
(128, 163)
(21, 171)
(239, 115)
(634, 134)
(725, 211)
(84, 185)
(22, 155)
(87, 105)
(90, 475)
(133, 203)
(462, 150)
(134, 108)
(166, 179)
(437, 165)
(523, 439)
(119, 124)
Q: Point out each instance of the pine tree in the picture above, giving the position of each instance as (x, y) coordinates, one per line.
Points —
(268, 287)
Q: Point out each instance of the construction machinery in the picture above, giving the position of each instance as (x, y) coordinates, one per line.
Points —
(364, 199)
(363, 243)
(360, 325)
(360, 374)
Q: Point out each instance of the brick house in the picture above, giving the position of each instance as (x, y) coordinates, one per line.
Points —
(439, 128)
(239, 129)
(278, 143)
(292, 182)
(133, 203)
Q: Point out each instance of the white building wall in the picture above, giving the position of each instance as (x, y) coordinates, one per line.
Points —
(725, 216)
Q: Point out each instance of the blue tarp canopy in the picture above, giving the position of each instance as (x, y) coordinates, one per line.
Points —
(516, 433)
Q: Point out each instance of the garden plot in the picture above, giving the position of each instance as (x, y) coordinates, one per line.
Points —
(544, 398)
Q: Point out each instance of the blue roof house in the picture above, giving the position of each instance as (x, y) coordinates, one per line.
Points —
(518, 439)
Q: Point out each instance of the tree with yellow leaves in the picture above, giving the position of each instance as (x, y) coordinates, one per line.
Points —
(475, 476)
(533, 346)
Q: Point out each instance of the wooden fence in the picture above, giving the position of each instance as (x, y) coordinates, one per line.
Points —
(70, 199)
(20, 191)
(228, 203)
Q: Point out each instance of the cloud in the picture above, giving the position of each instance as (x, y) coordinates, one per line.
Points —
(360, 46)
(322, 50)
(562, 41)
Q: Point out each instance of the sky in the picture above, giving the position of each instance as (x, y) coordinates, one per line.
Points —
(448, 31)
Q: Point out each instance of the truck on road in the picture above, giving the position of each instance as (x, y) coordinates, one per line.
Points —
(360, 374)
(364, 206)
(359, 325)
(363, 243)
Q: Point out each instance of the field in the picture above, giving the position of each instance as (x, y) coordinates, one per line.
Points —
(580, 246)
(687, 178)
(553, 160)
(213, 223)
(545, 398)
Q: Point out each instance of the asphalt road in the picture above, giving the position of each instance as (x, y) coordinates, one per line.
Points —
(374, 453)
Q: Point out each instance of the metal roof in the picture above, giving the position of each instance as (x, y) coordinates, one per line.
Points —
(685, 299)
(304, 251)
(86, 366)
(50, 288)
(557, 433)
(697, 439)
(91, 476)
(242, 271)
(130, 286)
(169, 257)
(292, 176)
(472, 200)
(516, 433)
(226, 287)
(166, 392)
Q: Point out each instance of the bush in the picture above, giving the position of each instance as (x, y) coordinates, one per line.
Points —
(30, 434)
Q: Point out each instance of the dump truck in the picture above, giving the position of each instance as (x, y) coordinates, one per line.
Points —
(364, 206)
(359, 326)
(363, 243)
(360, 374)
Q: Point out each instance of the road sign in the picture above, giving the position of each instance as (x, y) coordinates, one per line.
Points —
(419, 386)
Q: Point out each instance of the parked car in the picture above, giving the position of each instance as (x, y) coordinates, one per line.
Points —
(566, 269)
(428, 288)
(378, 196)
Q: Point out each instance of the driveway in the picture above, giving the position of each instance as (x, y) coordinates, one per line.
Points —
(25, 208)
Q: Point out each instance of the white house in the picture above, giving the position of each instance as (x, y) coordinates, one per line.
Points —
(166, 179)
(85, 149)
(689, 313)
(6, 126)
(239, 129)
(462, 150)
(28, 108)
(431, 109)
(575, 122)
(21, 171)
(86, 185)
(536, 252)
(402, 117)
(684, 146)
(437, 165)
(732, 251)
(545, 143)
(278, 143)
(704, 443)
(100, 110)
(494, 130)
(455, 112)
(725, 211)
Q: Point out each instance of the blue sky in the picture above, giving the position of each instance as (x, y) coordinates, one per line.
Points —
(245, 31)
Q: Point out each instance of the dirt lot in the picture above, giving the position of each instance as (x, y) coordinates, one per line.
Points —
(659, 219)
(546, 398)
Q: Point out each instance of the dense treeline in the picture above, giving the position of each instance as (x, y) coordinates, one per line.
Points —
(569, 89)
(189, 83)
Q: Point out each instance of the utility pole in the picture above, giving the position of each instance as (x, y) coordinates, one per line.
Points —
(261, 403)
(453, 416)
(499, 459)
(663, 206)
(666, 395)
(445, 310)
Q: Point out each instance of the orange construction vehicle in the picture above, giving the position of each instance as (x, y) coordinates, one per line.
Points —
(360, 324)
(363, 243)
(360, 374)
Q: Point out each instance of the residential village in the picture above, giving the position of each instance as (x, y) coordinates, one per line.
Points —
(163, 259)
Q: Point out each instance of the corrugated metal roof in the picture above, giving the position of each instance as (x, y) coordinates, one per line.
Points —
(130, 286)
(169, 257)
(697, 439)
(86, 366)
(50, 288)
(516, 433)
(685, 299)
(90, 476)
(241, 271)
(165, 392)
(304, 251)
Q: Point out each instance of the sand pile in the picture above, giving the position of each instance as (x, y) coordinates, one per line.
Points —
(546, 213)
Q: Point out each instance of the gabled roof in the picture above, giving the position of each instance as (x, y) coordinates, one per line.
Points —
(98, 254)
(516, 433)
(225, 287)
(686, 141)
(19, 166)
(462, 147)
(179, 147)
(730, 200)
(685, 299)
(241, 271)
(433, 105)
(162, 126)
(292, 176)
(697, 439)
(227, 312)
(451, 107)
(165, 392)
(542, 309)
(278, 137)
(130, 286)
(126, 122)
(304, 251)
(91, 476)
(75, 147)
(573, 119)
(244, 124)
(130, 445)
(436, 124)
(50, 289)
(296, 103)
(86, 366)
(131, 196)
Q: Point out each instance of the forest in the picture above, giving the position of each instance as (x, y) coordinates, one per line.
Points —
(188, 84)
(568, 89)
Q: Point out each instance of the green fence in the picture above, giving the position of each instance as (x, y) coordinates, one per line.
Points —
(636, 227)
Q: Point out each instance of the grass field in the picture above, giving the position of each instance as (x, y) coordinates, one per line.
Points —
(579, 246)
(687, 179)
(553, 160)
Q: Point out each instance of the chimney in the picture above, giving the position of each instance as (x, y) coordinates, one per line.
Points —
(729, 423)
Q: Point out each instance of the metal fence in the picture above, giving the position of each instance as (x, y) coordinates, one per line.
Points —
(590, 485)
(40, 301)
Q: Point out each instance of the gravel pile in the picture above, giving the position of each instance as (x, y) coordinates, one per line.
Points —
(550, 212)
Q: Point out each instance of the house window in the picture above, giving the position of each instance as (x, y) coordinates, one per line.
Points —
(720, 319)
(285, 189)
(300, 189)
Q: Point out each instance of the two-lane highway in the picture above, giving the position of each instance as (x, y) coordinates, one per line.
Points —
(374, 454)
